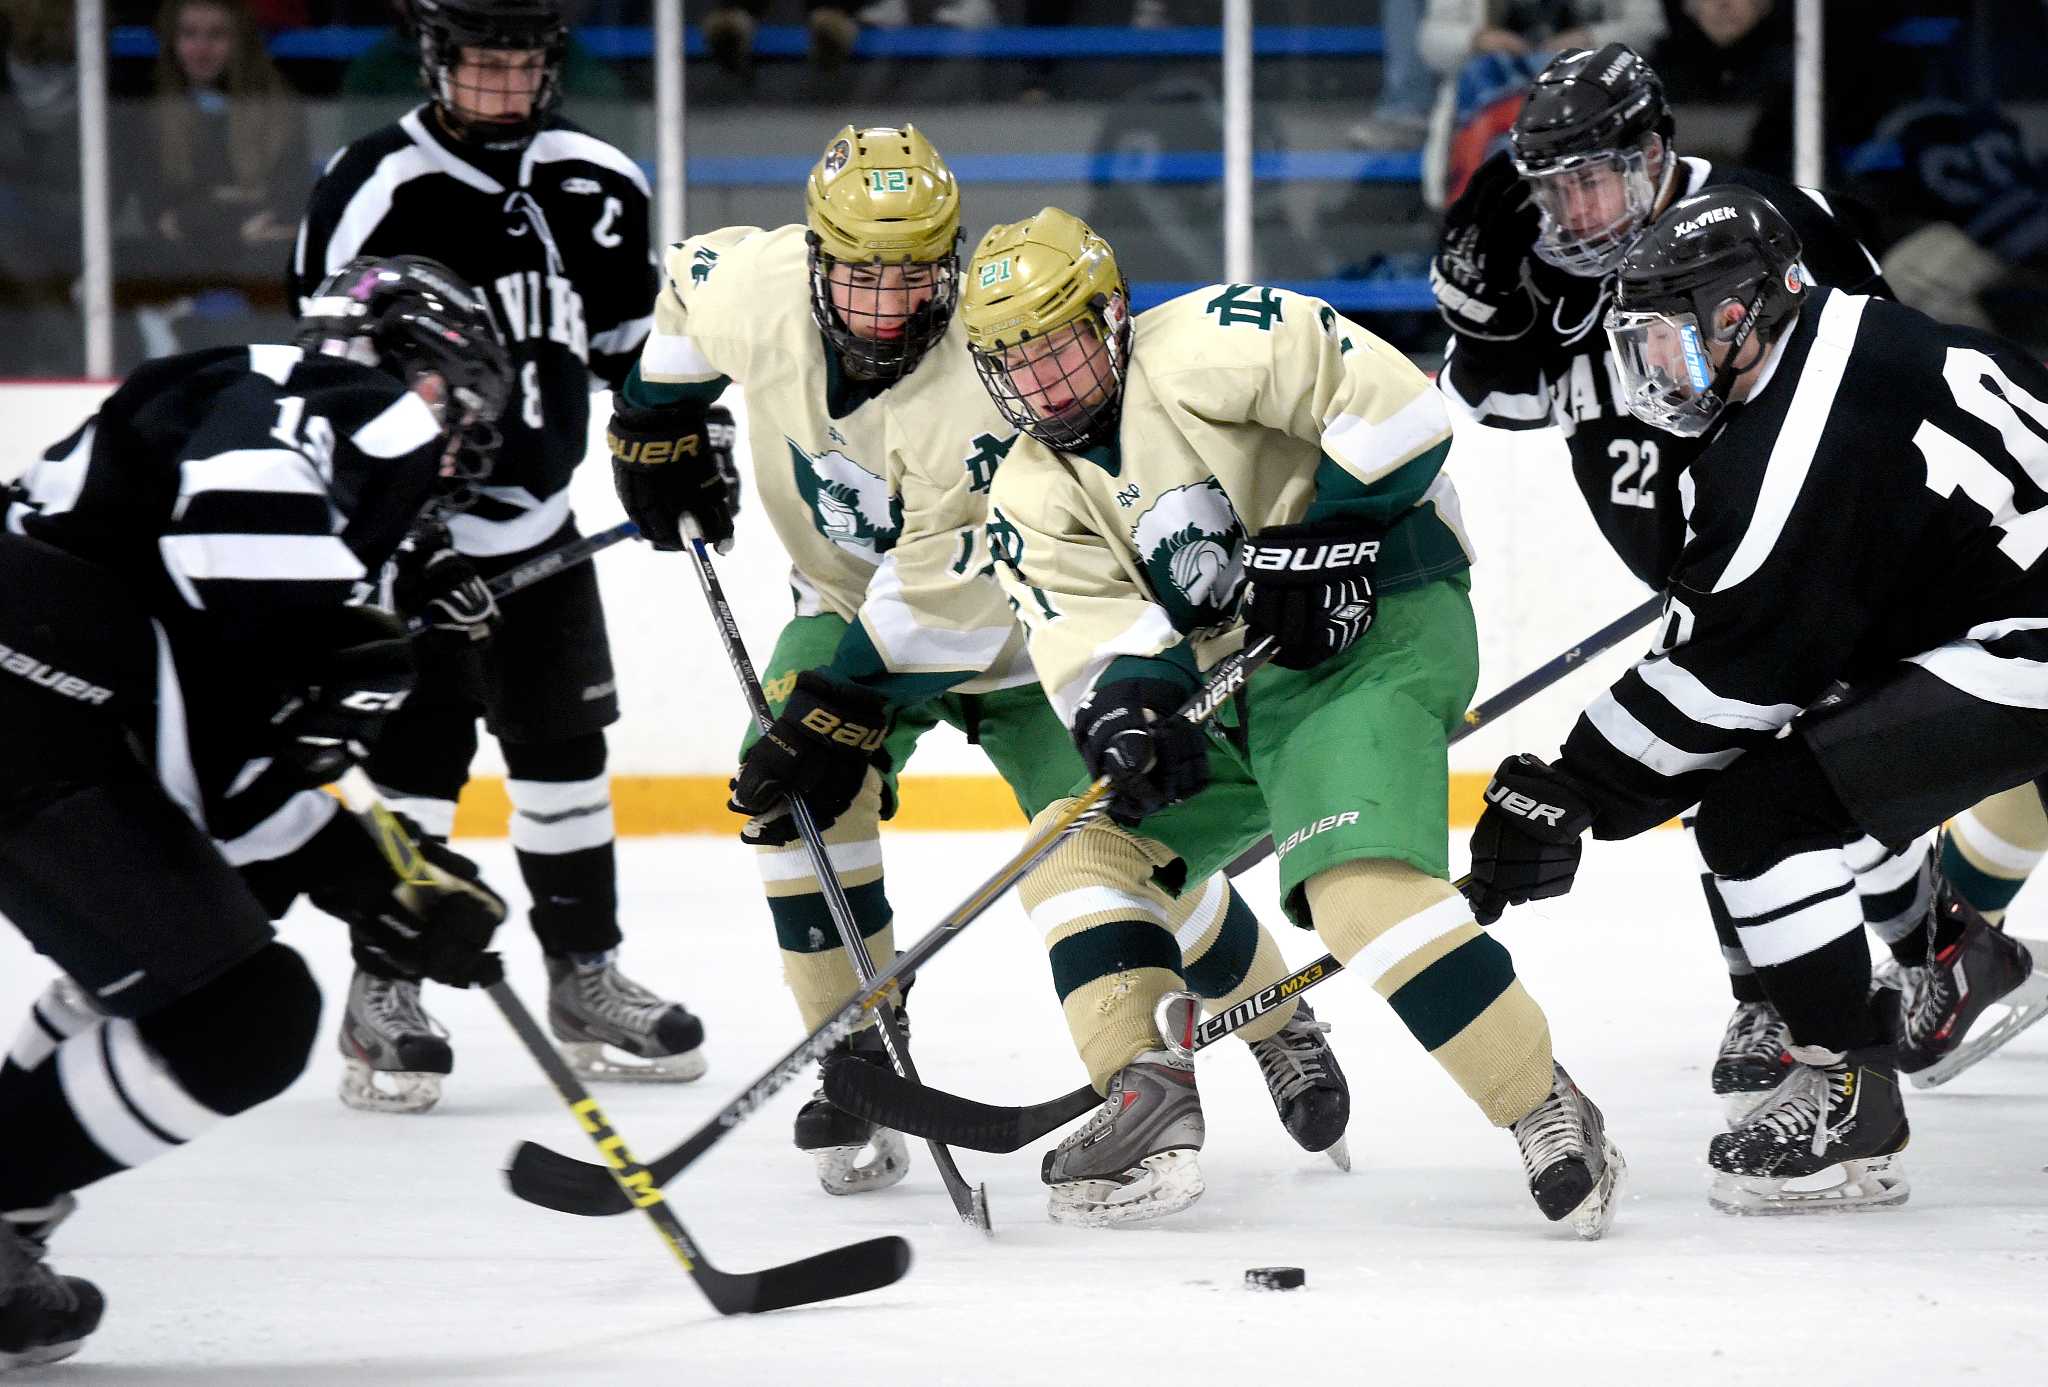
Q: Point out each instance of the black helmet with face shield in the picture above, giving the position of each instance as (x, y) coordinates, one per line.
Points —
(1714, 271)
(410, 317)
(1593, 141)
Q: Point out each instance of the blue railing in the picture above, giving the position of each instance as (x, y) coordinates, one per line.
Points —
(1190, 166)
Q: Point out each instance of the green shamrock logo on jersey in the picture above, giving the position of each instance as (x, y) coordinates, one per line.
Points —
(1192, 546)
(850, 505)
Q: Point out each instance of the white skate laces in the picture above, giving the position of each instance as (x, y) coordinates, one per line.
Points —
(1291, 1059)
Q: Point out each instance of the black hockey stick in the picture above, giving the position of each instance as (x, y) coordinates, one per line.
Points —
(969, 1201)
(546, 565)
(941, 1116)
(1512, 697)
(864, 1266)
(555, 1181)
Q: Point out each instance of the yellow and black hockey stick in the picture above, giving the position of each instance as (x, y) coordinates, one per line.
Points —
(843, 1271)
(555, 1181)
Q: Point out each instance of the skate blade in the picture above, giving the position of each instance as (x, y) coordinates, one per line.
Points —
(1339, 1154)
(842, 1171)
(2017, 1010)
(40, 1356)
(388, 1090)
(594, 1060)
(1163, 1183)
(1595, 1213)
(1847, 1187)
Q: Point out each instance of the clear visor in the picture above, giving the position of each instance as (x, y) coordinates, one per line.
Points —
(1667, 375)
(1592, 209)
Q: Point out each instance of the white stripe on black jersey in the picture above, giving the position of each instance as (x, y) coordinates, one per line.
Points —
(1883, 497)
(555, 237)
(1564, 376)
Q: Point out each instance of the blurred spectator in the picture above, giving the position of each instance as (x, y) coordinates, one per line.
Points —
(1407, 87)
(38, 151)
(391, 68)
(1725, 50)
(1963, 210)
(1487, 51)
(230, 166)
(729, 33)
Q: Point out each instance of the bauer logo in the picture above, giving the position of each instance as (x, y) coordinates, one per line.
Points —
(55, 680)
(1522, 806)
(1307, 831)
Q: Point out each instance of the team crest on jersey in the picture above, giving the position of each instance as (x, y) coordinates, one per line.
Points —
(850, 505)
(1192, 545)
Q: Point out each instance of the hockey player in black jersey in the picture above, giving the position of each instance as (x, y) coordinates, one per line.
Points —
(551, 224)
(1869, 508)
(179, 665)
(1523, 276)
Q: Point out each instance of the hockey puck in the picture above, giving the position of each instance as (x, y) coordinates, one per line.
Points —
(1275, 1278)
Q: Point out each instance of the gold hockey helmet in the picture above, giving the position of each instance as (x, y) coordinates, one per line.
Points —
(1048, 323)
(884, 218)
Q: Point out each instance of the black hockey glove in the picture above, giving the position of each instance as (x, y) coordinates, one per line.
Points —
(333, 724)
(821, 746)
(1310, 589)
(672, 462)
(1526, 846)
(440, 928)
(1481, 271)
(1128, 731)
(429, 580)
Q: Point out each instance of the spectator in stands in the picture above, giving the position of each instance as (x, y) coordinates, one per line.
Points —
(1725, 50)
(1488, 51)
(729, 33)
(230, 167)
(1407, 88)
(38, 152)
(391, 68)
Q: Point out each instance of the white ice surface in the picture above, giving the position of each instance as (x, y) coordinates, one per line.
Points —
(306, 1243)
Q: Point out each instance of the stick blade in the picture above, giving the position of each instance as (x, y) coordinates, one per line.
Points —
(843, 1271)
(884, 1097)
(545, 1177)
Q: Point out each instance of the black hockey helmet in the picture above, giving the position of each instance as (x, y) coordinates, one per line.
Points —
(1594, 142)
(446, 27)
(1714, 270)
(409, 316)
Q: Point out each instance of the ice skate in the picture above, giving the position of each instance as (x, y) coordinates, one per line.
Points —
(611, 1027)
(854, 1156)
(44, 1317)
(394, 1055)
(1752, 1060)
(1827, 1141)
(1982, 967)
(1307, 1087)
(1134, 1159)
(1574, 1171)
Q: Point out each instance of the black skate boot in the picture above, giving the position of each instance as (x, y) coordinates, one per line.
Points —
(44, 1317)
(1574, 1171)
(1752, 1061)
(836, 1139)
(611, 1027)
(1827, 1141)
(1981, 966)
(1307, 1087)
(394, 1055)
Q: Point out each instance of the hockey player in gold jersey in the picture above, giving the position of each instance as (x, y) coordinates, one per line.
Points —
(1240, 460)
(874, 447)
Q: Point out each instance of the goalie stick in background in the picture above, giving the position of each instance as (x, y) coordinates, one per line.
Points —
(551, 224)
(1866, 510)
(874, 447)
(182, 668)
(1523, 274)
(1241, 462)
